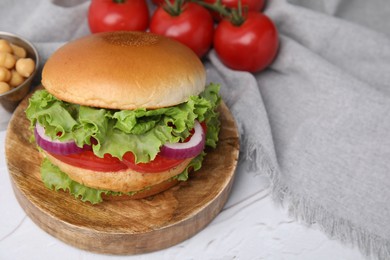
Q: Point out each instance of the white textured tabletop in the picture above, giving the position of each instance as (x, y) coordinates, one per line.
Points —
(250, 226)
(317, 122)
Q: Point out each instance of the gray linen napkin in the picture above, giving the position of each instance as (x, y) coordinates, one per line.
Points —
(317, 122)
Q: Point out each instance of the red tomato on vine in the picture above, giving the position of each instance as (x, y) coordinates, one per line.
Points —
(249, 46)
(158, 2)
(118, 15)
(188, 23)
(250, 5)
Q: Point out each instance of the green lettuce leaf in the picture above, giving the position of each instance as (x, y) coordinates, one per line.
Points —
(117, 132)
(194, 165)
(54, 179)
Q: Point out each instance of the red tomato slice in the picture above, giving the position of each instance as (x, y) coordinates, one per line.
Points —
(88, 160)
(159, 163)
(204, 126)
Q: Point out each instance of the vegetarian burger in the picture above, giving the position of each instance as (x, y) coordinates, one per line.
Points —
(122, 114)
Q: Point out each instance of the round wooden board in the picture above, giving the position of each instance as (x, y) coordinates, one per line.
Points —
(123, 227)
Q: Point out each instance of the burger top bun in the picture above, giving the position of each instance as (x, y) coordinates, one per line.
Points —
(124, 70)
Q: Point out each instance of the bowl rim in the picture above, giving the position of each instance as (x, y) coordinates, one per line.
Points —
(37, 61)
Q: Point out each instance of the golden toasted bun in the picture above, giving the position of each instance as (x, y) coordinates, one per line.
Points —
(123, 181)
(124, 70)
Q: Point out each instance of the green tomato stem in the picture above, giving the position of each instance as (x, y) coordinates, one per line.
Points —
(217, 6)
(235, 16)
(174, 9)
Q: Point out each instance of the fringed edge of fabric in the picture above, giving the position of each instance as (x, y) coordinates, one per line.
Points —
(307, 211)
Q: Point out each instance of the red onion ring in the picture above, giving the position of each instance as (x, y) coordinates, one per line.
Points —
(188, 149)
(55, 146)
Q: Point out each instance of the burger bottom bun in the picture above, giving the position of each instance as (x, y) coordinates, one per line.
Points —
(121, 181)
(150, 191)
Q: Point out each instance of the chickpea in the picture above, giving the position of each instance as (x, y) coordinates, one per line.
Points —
(4, 87)
(25, 67)
(5, 46)
(16, 79)
(5, 74)
(15, 67)
(7, 60)
(18, 51)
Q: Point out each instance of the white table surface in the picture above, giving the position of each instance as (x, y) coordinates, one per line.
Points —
(251, 226)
